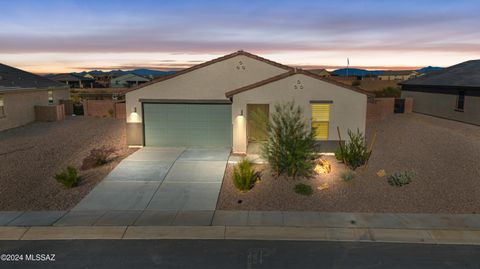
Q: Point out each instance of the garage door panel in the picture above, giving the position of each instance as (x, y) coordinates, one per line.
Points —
(187, 125)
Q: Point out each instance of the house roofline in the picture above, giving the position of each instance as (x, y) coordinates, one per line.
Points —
(216, 60)
(292, 72)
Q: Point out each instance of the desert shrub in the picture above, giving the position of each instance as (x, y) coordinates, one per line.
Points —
(389, 92)
(355, 152)
(68, 177)
(290, 147)
(339, 154)
(347, 175)
(243, 176)
(110, 112)
(97, 157)
(399, 179)
(356, 83)
(303, 189)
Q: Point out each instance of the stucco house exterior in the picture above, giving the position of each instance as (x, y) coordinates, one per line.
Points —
(127, 81)
(452, 93)
(21, 91)
(211, 104)
(398, 75)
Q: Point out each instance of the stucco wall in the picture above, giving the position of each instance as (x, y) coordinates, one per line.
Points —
(20, 106)
(443, 105)
(209, 82)
(348, 110)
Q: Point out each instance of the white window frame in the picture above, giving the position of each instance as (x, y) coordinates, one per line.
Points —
(2, 106)
(51, 100)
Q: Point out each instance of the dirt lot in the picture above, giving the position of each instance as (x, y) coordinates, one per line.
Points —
(31, 155)
(444, 155)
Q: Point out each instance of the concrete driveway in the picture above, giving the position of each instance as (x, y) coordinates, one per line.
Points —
(161, 179)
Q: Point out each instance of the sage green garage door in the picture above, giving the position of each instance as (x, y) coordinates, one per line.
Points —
(187, 124)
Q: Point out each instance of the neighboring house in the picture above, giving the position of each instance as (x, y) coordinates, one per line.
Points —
(74, 81)
(89, 76)
(211, 104)
(21, 91)
(398, 75)
(127, 81)
(320, 72)
(452, 93)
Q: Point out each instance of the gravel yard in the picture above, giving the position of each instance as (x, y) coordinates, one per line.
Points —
(444, 155)
(31, 155)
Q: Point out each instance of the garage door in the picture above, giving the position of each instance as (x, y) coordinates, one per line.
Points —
(187, 124)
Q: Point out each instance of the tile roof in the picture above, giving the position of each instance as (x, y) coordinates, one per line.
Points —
(12, 79)
(291, 73)
(69, 77)
(466, 74)
(198, 66)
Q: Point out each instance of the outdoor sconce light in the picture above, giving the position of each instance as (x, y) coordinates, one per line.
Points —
(241, 112)
(135, 109)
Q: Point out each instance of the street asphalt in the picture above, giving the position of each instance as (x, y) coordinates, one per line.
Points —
(195, 254)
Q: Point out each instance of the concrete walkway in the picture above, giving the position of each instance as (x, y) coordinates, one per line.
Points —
(161, 179)
(253, 225)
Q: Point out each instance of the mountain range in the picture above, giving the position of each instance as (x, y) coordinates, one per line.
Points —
(364, 72)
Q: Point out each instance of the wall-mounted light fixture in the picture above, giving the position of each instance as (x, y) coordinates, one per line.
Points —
(241, 112)
(135, 109)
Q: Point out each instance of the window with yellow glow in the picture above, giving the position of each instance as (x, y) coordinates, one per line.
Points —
(50, 97)
(2, 107)
(320, 120)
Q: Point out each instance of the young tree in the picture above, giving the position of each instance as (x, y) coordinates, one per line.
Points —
(290, 148)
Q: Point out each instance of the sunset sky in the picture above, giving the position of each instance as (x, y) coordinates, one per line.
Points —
(65, 36)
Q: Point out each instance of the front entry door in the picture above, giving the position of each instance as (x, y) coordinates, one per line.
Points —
(257, 119)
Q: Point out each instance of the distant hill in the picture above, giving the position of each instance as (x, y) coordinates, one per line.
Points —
(429, 69)
(141, 72)
(363, 72)
(355, 72)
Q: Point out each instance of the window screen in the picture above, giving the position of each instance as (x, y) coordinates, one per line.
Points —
(320, 120)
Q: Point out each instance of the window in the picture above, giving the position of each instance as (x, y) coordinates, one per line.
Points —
(2, 107)
(50, 97)
(320, 120)
(460, 100)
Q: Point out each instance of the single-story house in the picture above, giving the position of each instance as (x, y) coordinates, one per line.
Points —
(211, 104)
(321, 72)
(398, 75)
(452, 93)
(127, 81)
(74, 81)
(21, 91)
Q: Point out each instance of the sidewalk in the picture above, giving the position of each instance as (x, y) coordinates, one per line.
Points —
(256, 225)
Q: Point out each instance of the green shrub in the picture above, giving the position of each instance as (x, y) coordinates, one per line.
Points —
(356, 83)
(347, 175)
(97, 157)
(68, 177)
(303, 189)
(399, 179)
(394, 92)
(355, 152)
(243, 176)
(290, 147)
(339, 154)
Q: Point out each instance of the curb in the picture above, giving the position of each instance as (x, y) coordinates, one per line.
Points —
(241, 233)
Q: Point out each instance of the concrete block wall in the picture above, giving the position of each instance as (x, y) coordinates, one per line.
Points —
(380, 108)
(104, 109)
(50, 113)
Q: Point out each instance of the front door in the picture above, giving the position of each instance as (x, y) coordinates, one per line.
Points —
(257, 119)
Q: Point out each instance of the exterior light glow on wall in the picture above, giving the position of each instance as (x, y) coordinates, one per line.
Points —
(134, 115)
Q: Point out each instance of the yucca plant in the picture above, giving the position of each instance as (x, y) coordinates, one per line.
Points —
(399, 179)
